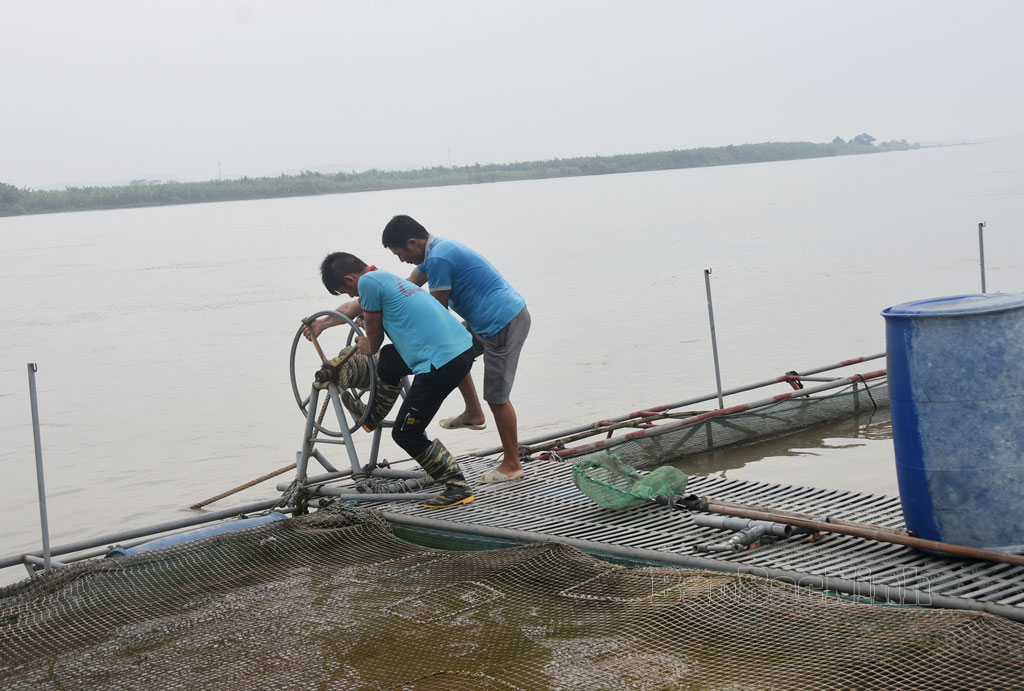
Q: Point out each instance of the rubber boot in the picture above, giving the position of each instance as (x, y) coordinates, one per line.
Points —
(440, 465)
(383, 401)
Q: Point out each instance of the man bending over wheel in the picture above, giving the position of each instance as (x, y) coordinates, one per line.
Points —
(426, 341)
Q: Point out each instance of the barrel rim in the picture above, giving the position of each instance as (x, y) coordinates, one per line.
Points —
(981, 303)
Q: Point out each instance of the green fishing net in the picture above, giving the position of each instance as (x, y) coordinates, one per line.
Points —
(614, 485)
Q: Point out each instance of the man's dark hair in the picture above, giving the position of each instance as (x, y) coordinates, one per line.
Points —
(400, 230)
(336, 266)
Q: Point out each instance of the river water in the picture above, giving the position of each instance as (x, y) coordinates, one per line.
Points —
(162, 335)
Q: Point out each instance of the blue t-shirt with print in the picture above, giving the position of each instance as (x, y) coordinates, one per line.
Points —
(479, 293)
(424, 332)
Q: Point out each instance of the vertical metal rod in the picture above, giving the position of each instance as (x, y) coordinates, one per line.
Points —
(339, 410)
(39, 464)
(714, 340)
(981, 252)
(375, 446)
(302, 461)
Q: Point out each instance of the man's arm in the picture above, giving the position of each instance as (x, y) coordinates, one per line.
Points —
(350, 309)
(417, 277)
(374, 325)
(443, 296)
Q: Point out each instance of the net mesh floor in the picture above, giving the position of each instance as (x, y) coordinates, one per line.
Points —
(336, 600)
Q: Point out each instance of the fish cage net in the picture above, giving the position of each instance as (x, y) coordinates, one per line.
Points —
(337, 600)
(747, 427)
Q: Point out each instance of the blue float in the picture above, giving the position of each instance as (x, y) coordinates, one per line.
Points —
(198, 534)
(956, 390)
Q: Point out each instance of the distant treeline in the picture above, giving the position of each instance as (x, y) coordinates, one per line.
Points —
(17, 201)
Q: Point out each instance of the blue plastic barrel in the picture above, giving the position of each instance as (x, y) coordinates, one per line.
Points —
(956, 391)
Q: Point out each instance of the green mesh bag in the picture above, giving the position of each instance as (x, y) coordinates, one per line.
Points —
(610, 483)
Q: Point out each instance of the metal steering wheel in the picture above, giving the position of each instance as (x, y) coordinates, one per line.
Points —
(303, 403)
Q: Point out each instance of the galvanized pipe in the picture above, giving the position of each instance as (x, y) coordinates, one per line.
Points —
(314, 479)
(981, 253)
(82, 555)
(44, 525)
(735, 523)
(736, 543)
(679, 404)
(302, 461)
(747, 531)
(398, 485)
(375, 445)
(377, 472)
(714, 339)
(340, 493)
(113, 538)
(396, 473)
(327, 465)
(46, 563)
(843, 527)
(350, 447)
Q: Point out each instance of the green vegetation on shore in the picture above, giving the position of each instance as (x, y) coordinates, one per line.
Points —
(16, 201)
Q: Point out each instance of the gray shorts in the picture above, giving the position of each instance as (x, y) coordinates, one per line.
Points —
(501, 357)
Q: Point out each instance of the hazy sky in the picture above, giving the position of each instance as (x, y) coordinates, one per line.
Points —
(105, 91)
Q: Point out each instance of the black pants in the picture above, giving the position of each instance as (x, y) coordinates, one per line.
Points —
(425, 396)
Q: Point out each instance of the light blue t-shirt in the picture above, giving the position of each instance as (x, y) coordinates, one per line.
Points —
(480, 294)
(424, 332)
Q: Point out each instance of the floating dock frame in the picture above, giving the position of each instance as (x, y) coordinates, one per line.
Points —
(545, 506)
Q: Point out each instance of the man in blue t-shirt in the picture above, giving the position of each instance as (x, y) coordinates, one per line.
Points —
(426, 341)
(496, 315)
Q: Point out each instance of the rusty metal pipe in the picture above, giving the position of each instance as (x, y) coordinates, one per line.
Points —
(843, 527)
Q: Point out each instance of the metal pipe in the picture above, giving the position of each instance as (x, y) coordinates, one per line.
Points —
(45, 562)
(680, 404)
(375, 445)
(737, 543)
(43, 523)
(314, 479)
(395, 472)
(714, 340)
(302, 462)
(668, 427)
(323, 461)
(829, 525)
(377, 472)
(981, 253)
(396, 486)
(340, 493)
(113, 538)
(82, 555)
(339, 410)
(907, 596)
(736, 523)
(747, 531)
